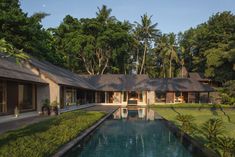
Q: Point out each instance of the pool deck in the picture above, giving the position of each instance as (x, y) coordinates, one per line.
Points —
(10, 123)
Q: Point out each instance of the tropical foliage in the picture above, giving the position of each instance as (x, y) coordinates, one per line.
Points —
(104, 44)
(186, 123)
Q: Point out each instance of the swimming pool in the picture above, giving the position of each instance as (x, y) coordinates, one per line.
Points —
(132, 136)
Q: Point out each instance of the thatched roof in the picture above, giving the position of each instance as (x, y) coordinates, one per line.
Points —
(107, 82)
(10, 70)
(178, 84)
(116, 82)
(198, 76)
(60, 75)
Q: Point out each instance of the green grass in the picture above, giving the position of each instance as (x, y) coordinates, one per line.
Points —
(201, 115)
(196, 105)
(45, 138)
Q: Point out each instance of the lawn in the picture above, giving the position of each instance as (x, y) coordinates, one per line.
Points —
(45, 138)
(201, 114)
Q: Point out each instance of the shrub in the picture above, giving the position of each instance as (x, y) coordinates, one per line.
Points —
(186, 123)
(45, 138)
(211, 129)
(226, 146)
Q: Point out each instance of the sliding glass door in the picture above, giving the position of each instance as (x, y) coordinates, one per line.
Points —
(26, 97)
(3, 107)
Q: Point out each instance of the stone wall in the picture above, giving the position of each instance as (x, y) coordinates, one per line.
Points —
(170, 96)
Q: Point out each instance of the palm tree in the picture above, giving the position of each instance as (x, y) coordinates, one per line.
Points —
(147, 32)
(186, 123)
(211, 129)
(226, 145)
(170, 51)
(104, 13)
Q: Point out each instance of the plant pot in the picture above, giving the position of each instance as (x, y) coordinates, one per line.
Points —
(45, 111)
(54, 110)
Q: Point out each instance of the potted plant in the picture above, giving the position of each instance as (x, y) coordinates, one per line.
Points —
(54, 108)
(46, 107)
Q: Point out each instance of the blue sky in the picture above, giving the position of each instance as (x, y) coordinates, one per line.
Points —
(171, 15)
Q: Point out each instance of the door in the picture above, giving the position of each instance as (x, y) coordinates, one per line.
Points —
(3, 108)
(12, 96)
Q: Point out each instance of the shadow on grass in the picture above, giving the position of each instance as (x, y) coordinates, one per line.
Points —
(225, 114)
(173, 109)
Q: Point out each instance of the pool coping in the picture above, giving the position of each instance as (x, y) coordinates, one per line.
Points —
(189, 142)
(64, 149)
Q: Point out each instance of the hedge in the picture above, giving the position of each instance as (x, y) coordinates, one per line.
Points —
(44, 138)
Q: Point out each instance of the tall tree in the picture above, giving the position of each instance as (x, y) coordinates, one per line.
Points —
(211, 47)
(21, 31)
(94, 45)
(147, 33)
(168, 50)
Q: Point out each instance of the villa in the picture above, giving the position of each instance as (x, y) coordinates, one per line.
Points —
(26, 86)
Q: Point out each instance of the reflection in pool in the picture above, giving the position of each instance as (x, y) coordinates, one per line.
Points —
(131, 137)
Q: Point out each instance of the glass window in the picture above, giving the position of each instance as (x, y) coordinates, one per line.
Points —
(177, 94)
(124, 96)
(2, 96)
(141, 97)
(71, 96)
(160, 97)
(26, 97)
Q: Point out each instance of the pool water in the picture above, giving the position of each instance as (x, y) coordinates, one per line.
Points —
(130, 138)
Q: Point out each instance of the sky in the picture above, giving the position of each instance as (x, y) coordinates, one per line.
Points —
(171, 15)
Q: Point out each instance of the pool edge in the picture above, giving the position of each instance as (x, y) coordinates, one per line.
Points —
(65, 148)
(188, 141)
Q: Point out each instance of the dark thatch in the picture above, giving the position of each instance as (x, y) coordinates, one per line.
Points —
(10, 70)
(61, 76)
(116, 82)
(198, 76)
(178, 84)
(106, 82)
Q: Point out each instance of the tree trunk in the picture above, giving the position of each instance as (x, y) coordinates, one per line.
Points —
(137, 61)
(170, 69)
(144, 57)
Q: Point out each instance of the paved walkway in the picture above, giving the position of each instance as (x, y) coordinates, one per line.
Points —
(14, 123)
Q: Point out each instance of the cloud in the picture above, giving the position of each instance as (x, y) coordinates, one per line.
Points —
(44, 5)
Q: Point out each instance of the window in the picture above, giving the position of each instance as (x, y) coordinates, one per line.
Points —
(101, 97)
(26, 97)
(160, 97)
(2, 96)
(141, 97)
(177, 94)
(178, 97)
(71, 96)
(124, 96)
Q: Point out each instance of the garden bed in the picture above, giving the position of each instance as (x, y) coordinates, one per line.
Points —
(45, 138)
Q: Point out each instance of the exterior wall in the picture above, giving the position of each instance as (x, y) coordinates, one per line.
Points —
(145, 98)
(42, 94)
(51, 92)
(54, 89)
(124, 103)
(150, 97)
(117, 97)
(170, 97)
